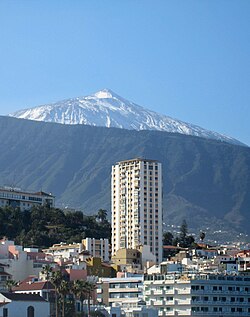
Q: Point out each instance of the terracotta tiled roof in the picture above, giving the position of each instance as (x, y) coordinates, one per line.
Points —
(36, 255)
(173, 247)
(5, 273)
(33, 286)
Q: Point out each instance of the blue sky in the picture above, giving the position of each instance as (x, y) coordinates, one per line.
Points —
(187, 59)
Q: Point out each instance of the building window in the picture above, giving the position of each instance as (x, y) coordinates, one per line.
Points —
(30, 311)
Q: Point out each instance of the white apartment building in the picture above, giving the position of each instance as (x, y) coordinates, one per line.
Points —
(126, 292)
(198, 294)
(24, 200)
(136, 204)
(97, 248)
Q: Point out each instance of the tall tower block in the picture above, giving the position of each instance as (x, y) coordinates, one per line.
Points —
(136, 204)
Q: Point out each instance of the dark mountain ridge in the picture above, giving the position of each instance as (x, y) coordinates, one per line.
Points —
(207, 182)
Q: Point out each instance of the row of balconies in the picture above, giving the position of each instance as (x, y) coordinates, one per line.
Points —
(175, 312)
(160, 302)
(209, 291)
(171, 291)
(227, 313)
(214, 303)
(159, 292)
(127, 289)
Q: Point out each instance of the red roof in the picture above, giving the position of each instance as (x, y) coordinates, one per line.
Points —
(29, 286)
(36, 255)
(5, 273)
(173, 247)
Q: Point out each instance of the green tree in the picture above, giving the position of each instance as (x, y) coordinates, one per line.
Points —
(47, 271)
(202, 235)
(79, 291)
(102, 215)
(183, 232)
(9, 284)
(56, 279)
(168, 238)
(90, 288)
(63, 290)
(184, 240)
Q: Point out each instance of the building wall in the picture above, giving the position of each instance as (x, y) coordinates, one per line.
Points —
(77, 274)
(201, 295)
(19, 265)
(126, 291)
(19, 309)
(97, 248)
(97, 268)
(24, 200)
(127, 256)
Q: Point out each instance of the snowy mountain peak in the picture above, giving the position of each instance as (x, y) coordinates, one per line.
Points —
(104, 94)
(107, 109)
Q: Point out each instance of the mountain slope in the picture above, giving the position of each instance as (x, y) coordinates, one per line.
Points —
(107, 109)
(205, 181)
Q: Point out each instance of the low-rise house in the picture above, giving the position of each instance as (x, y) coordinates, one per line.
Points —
(64, 251)
(166, 267)
(32, 285)
(18, 262)
(96, 267)
(23, 305)
(129, 260)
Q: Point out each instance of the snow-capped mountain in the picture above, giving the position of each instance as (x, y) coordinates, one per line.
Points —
(107, 109)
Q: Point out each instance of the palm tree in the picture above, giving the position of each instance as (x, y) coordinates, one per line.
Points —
(10, 284)
(89, 289)
(63, 290)
(47, 270)
(102, 215)
(202, 235)
(83, 290)
(56, 279)
(78, 289)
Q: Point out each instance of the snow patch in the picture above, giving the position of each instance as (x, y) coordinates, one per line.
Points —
(107, 109)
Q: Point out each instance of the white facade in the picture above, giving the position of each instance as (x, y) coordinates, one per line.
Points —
(198, 295)
(64, 251)
(97, 248)
(17, 261)
(136, 204)
(19, 308)
(125, 291)
(140, 311)
(24, 200)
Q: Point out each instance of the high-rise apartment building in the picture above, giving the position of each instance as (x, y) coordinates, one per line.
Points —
(136, 203)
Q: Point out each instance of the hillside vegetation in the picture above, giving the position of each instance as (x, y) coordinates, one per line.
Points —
(206, 182)
(41, 227)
